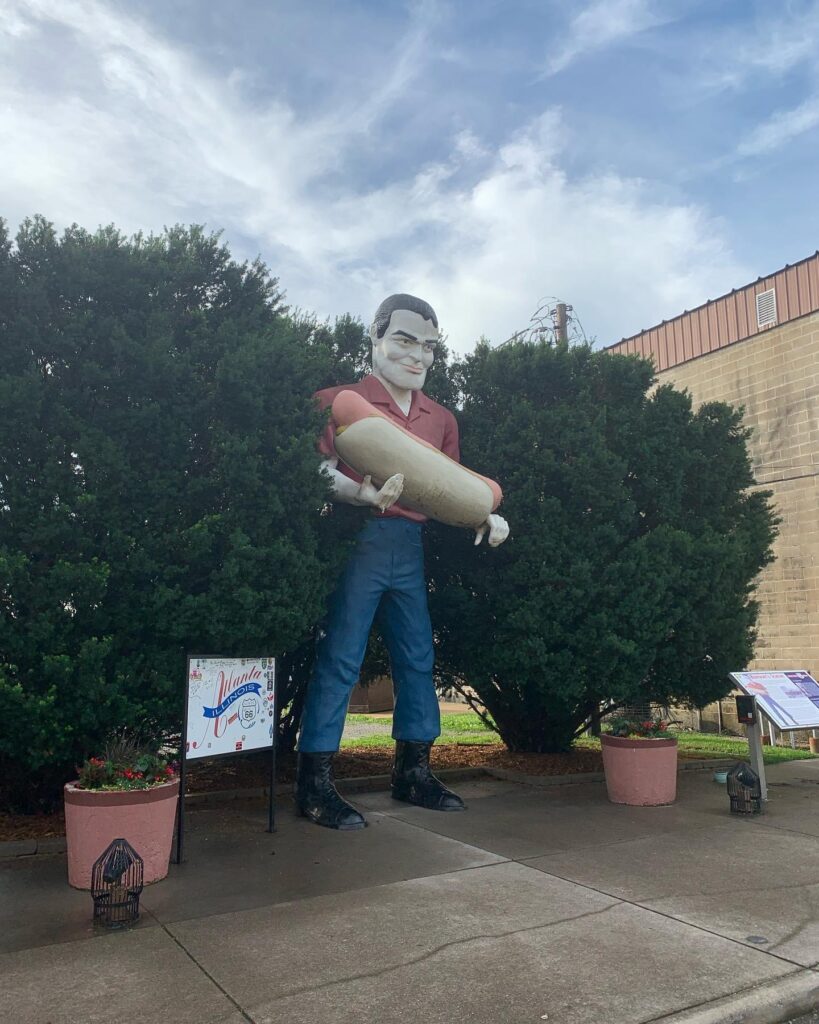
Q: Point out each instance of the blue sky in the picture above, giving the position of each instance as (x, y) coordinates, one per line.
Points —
(632, 157)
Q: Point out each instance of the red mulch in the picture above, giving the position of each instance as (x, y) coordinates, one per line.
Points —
(365, 761)
(378, 761)
(253, 771)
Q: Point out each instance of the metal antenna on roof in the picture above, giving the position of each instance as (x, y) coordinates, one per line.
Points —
(554, 320)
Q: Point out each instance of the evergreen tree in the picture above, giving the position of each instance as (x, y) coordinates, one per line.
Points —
(636, 537)
(159, 492)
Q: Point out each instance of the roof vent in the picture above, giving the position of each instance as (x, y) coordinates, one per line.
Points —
(766, 308)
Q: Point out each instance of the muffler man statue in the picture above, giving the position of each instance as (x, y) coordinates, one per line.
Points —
(385, 573)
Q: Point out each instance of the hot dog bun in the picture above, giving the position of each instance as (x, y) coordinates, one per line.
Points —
(434, 485)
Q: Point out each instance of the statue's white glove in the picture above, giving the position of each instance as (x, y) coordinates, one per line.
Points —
(498, 530)
(369, 494)
(366, 493)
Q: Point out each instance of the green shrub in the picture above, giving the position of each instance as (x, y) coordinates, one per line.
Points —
(159, 492)
(635, 543)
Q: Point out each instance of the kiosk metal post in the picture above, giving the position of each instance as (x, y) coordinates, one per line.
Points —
(757, 761)
(748, 714)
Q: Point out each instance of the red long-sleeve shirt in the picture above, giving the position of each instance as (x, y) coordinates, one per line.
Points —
(427, 420)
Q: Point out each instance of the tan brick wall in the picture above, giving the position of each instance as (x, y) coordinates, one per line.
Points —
(775, 376)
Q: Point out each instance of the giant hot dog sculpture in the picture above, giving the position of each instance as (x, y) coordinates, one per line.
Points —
(435, 485)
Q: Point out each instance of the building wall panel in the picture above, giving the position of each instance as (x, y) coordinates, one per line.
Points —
(775, 376)
(728, 319)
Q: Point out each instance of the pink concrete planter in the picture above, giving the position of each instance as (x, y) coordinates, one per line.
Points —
(94, 817)
(641, 772)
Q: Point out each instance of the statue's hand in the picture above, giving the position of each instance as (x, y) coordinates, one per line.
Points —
(369, 494)
(498, 530)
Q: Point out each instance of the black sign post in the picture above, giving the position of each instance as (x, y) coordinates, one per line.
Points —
(271, 805)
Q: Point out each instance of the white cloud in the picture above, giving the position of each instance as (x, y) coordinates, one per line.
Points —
(525, 229)
(755, 50)
(780, 44)
(780, 128)
(603, 23)
(756, 56)
(136, 131)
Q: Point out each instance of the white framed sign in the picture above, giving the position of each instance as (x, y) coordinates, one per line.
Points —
(790, 698)
(230, 706)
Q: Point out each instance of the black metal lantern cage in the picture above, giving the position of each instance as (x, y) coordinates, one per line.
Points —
(116, 885)
(744, 790)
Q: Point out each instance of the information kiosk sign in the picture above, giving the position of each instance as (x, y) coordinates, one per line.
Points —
(790, 698)
(230, 709)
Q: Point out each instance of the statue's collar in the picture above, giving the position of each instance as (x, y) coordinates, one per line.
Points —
(376, 394)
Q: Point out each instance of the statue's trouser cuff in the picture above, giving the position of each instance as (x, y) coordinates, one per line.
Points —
(385, 574)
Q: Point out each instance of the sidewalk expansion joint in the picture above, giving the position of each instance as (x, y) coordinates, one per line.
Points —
(722, 889)
(736, 1006)
(199, 967)
(612, 842)
(671, 917)
(396, 815)
(781, 828)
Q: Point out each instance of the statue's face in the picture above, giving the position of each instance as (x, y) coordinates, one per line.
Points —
(406, 351)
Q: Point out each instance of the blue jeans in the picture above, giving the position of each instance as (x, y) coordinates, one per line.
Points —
(385, 574)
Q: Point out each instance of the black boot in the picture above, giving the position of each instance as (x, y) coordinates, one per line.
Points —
(414, 783)
(318, 799)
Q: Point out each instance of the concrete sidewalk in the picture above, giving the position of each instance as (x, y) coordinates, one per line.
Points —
(539, 903)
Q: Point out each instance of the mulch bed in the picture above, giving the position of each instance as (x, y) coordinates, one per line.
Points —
(365, 761)
(31, 826)
(254, 771)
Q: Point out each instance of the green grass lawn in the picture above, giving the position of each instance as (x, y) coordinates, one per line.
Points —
(468, 728)
(706, 744)
(701, 744)
(455, 728)
(466, 721)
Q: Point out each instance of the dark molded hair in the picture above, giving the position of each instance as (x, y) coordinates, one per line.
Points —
(409, 302)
